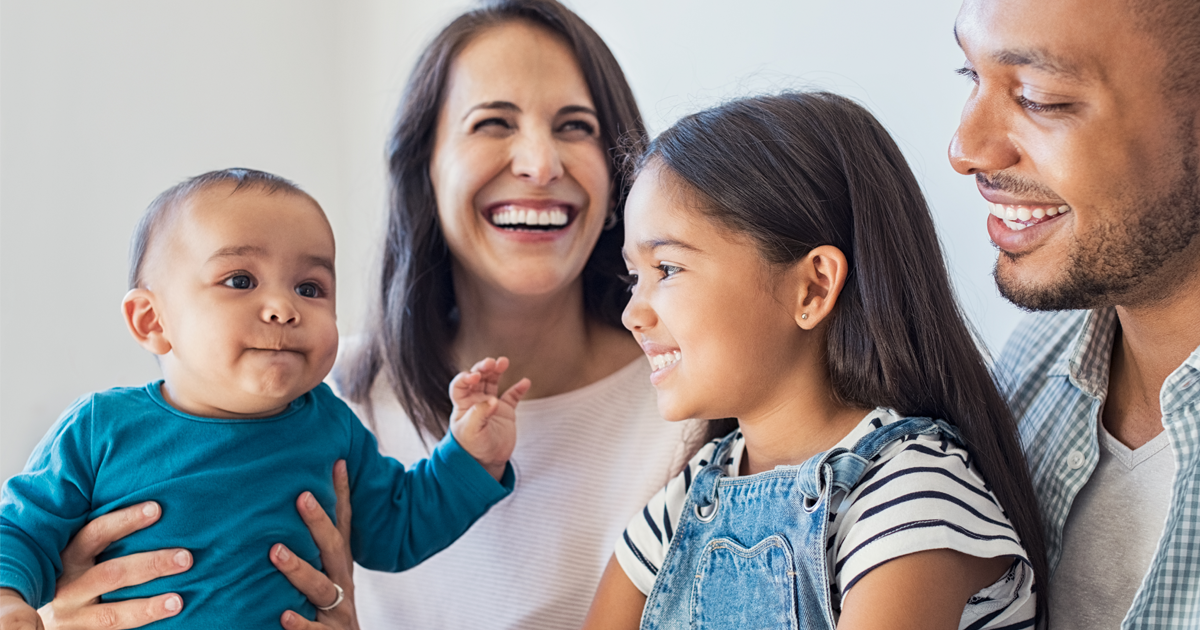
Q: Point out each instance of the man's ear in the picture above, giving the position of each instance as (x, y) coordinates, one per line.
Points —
(819, 277)
(144, 321)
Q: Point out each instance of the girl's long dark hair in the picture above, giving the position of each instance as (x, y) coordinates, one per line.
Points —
(413, 322)
(800, 170)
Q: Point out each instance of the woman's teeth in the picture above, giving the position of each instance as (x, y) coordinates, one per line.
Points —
(522, 217)
(660, 361)
(1021, 217)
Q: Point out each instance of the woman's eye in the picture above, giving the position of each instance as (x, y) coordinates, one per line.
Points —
(308, 290)
(968, 72)
(497, 123)
(578, 125)
(240, 281)
(668, 269)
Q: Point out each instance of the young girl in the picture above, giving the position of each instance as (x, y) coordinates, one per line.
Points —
(786, 275)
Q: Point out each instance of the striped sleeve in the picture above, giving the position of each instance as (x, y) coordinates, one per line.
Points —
(644, 544)
(920, 494)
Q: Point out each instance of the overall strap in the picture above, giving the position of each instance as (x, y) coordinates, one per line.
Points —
(842, 469)
(704, 487)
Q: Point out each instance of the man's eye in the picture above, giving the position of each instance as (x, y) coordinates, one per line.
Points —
(240, 282)
(308, 290)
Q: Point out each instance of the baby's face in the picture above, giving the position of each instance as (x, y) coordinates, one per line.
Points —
(244, 289)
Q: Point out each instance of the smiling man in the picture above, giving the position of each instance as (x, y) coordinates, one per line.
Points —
(1082, 135)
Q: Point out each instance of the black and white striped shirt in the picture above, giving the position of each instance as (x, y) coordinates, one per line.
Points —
(918, 494)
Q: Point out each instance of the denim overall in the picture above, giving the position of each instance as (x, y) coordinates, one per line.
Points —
(749, 552)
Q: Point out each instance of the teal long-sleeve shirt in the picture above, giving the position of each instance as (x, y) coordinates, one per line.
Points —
(228, 490)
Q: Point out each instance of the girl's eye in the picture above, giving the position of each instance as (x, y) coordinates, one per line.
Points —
(968, 72)
(630, 279)
(308, 290)
(668, 269)
(240, 281)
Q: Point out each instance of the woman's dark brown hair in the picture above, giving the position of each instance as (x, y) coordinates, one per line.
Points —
(414, 319)
(800, 170)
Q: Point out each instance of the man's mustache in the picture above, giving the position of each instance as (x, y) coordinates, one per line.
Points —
(1015, 185)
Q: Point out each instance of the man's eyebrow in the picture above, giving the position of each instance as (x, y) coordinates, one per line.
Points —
(239, 250)
(1037, 59)
(505, 105)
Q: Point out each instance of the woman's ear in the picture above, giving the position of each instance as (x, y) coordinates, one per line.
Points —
(144, 320)
(820, 277)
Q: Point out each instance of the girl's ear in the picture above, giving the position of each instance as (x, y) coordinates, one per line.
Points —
(820, 275)
(142, 316)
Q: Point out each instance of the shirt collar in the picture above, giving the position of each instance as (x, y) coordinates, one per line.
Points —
(1088, 362)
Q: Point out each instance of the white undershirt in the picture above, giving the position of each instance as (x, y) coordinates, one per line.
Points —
(585, 462)
(1111, 534)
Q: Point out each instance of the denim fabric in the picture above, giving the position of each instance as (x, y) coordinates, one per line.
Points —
(750, 552)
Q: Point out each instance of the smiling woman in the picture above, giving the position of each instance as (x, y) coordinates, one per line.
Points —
(504, 239)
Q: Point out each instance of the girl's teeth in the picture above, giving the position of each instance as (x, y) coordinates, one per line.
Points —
(660, 361)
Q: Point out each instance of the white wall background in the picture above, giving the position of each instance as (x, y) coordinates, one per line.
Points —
(103, 105)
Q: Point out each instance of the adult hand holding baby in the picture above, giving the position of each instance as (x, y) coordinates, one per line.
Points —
(484, 425)
(77, 596)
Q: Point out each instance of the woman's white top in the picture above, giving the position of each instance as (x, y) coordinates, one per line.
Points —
(585, 462)
(918, 494)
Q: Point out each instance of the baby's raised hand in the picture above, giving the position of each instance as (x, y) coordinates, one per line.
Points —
(483, 423)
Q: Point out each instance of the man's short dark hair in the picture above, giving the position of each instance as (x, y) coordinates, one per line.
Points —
(165, 204)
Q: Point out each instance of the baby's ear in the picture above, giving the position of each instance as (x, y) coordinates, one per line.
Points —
(140, 308)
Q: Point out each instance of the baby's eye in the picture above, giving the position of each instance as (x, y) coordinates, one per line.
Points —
(308, 290)
(240, 281)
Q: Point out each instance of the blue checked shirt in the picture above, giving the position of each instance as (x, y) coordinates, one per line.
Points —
(1054, 371)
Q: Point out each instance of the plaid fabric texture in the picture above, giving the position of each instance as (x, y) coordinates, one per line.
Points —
(1054, 370)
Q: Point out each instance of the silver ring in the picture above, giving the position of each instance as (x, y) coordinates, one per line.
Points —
(341, 595)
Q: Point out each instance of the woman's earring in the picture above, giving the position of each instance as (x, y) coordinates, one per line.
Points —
(803, 315)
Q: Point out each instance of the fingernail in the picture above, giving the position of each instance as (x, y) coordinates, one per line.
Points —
(281, 552)
(173, 603)
(182, 558)
(287, 617)
(309, 501)
(150, 510)
(340, 466)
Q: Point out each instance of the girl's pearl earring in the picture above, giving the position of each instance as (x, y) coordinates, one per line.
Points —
(803, 315)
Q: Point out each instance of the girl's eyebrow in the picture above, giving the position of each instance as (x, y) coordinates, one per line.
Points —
(655, 243)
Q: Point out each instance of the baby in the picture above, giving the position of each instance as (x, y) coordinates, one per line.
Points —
(232, 286)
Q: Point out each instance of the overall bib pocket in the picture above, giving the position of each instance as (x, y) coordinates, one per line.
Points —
(750, 588)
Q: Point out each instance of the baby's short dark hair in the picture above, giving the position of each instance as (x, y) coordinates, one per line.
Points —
(170, 199)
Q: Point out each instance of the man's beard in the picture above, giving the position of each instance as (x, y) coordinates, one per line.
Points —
(1124, 259)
